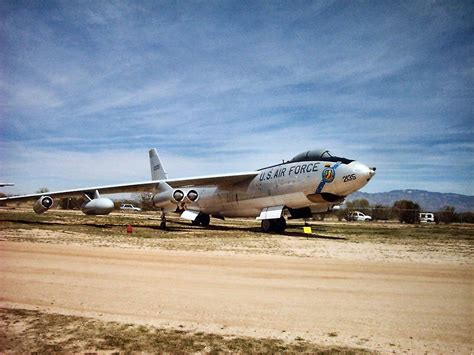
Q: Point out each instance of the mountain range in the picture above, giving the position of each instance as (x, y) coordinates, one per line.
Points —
(428, 201)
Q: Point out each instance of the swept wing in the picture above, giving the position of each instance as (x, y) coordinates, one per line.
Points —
(147, 186)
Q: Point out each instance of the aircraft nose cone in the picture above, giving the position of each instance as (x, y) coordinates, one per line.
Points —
(372, 172)
(363, 171)
(366, 172)
(352, 177)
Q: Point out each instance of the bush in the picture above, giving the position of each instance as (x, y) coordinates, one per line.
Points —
(381, 213)
(71, 203)
(465, 217)
(341, 213)
(446, 215)
(361, 205)
(146, 201)
(407, 211)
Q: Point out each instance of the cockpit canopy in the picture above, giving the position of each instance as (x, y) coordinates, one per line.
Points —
(319, 155)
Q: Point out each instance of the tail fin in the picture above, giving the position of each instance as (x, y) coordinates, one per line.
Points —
(157, 170)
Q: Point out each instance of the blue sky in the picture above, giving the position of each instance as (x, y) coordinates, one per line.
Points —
(87, 87)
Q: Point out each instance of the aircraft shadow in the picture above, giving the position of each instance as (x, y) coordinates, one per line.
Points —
(179, 226)
(312, 236)
(215, 227)
(257, 229)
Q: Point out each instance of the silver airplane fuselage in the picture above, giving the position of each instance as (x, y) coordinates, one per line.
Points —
(293, 185)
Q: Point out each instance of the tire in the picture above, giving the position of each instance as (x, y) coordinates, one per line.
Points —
(274, 225)
(267, 225)
(204, 220)
(279, 225)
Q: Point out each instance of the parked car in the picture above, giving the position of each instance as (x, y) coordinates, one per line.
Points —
(358, 216)
(129, 207)
(427, 217)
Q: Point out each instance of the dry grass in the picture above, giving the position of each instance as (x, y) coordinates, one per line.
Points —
(238, 235)
(27, 331)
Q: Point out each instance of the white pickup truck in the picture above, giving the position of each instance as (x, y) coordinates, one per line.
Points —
(129, 207)
(358, 216)
(427, 217)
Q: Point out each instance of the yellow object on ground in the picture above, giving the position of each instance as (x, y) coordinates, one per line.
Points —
(307, 230)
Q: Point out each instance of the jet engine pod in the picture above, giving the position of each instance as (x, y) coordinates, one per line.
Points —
(98, 206)
(192, 195)
(168, 198)
(43, 204)
(178, 195)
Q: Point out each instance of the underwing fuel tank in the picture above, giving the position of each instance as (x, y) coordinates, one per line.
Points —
(98, 206)
(43, 204)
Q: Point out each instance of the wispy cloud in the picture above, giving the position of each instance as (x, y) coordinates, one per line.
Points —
(228, 86)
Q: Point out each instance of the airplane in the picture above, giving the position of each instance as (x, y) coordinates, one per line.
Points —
(2, 184)
(312, 181)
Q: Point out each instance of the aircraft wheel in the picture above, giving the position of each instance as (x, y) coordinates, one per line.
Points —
(163, 225)
(267, 225)
(204, 219)
(279, 225)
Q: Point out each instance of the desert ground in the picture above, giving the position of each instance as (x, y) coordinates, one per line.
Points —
(72, 282)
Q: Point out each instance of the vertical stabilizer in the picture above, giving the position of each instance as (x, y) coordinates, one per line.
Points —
(157, 170)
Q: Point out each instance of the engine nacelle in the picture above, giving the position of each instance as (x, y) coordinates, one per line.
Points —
(43, 204)
(175, 197)
(168, 197)
(192, 195)
(178, 196)
(98, 206)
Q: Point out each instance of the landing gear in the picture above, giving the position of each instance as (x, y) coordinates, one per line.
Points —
(163, 220)
(277, 225)
(267, 225)
(280, 225)
(202, 219)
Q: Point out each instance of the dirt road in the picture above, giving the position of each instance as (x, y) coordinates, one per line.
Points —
(380, 306)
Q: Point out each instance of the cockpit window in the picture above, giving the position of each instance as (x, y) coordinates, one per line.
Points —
(319, 155)
(326, 154)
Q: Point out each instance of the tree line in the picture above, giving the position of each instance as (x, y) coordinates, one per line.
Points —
(404, 211)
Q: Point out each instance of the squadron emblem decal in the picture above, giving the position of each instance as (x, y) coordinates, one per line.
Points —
(328, 175)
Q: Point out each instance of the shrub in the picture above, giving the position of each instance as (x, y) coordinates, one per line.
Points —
(407, 211)
(446, 215)
(381, 212)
